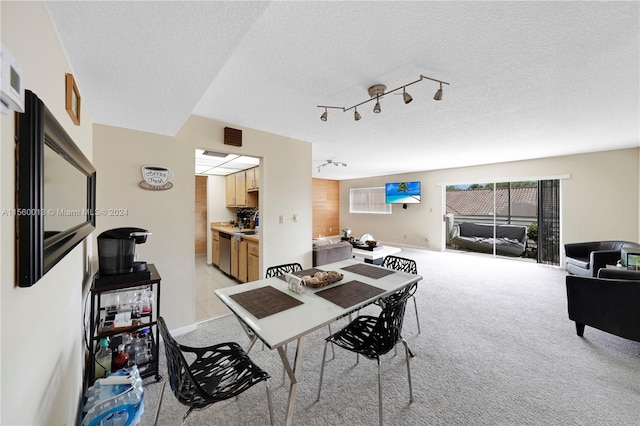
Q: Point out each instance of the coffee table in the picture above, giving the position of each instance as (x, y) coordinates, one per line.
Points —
(375, 256)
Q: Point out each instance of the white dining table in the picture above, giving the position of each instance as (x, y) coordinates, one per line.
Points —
(315, 312)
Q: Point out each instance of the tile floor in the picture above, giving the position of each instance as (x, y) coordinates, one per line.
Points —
(208, 279)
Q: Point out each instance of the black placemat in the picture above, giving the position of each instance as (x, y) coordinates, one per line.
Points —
(264, 301)
(369, 271)
(350, 293)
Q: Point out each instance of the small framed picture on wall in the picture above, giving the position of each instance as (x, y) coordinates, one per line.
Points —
(72, 99)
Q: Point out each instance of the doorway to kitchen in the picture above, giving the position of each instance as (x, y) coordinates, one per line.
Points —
(211, 205)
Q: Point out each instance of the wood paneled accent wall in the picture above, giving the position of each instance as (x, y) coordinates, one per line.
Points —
(201, 215)
(326, 208)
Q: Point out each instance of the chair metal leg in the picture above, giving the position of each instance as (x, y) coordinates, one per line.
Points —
(415, 305)
(269, 403)
(406, 351)
(379, 391)
(155, 419)
(324, 355)
(184, 418)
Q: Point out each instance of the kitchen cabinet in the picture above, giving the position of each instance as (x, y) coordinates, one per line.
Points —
(139, 299)
(242, 261)
(239, 260)
(253, 261)
(237, 195)
(215, 248)
(235, 260)
(253, 179)
(236, 190)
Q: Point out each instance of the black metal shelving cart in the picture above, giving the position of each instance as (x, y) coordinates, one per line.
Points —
(101, 327)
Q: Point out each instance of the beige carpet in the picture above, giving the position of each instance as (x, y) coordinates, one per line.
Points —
(496, 348)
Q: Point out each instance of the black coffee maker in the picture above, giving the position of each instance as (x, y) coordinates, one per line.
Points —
(117, 251)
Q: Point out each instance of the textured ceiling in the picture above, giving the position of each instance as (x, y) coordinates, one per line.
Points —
(528, 79)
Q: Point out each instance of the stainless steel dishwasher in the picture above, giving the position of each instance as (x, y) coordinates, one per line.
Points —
(225, 253)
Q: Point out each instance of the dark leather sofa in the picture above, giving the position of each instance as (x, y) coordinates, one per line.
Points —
(511, 240)
(609, 302)
(585, 259)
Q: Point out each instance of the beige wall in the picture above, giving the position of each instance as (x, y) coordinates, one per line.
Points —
(285, 185)
(41, 327)
(217, 210)
(599, 199)
(119, 155)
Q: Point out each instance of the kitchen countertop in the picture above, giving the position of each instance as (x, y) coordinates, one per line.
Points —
(231, 230)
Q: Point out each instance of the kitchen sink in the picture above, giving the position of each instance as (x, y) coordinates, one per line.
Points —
(239, 234)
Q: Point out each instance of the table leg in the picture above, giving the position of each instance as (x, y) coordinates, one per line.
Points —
(294, 374)
(252, 341)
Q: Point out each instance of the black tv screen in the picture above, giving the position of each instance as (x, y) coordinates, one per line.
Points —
(402, 193)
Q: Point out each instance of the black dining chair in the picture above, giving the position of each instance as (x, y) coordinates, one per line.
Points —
(287, 268)
(217, 372)
(375, 336)
(403, 264)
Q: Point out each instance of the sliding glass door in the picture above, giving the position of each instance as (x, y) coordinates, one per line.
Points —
(549, 222)
(497, 218)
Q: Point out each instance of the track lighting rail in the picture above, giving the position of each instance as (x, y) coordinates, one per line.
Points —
(378, 91)
(335, 163)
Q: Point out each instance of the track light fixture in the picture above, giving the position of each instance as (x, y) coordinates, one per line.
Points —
(335, 163)
(407, 97)
(376, 92)
(438, 95)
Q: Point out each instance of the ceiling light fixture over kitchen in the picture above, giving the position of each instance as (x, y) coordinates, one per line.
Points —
(377, 91)
(335, 163)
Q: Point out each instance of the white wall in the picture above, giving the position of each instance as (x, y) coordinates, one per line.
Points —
(217, 210)
(120, 153)
(599, 201)
(41, 334)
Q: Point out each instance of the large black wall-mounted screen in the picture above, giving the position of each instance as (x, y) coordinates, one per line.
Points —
(55, 192)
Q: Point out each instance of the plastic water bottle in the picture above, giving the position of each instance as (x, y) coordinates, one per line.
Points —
(114, 402)
(103, 360)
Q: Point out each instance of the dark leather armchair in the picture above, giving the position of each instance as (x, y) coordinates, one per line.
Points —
(585, 259)
(608, 304)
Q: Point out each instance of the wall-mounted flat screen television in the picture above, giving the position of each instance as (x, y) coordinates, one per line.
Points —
(402, 193)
